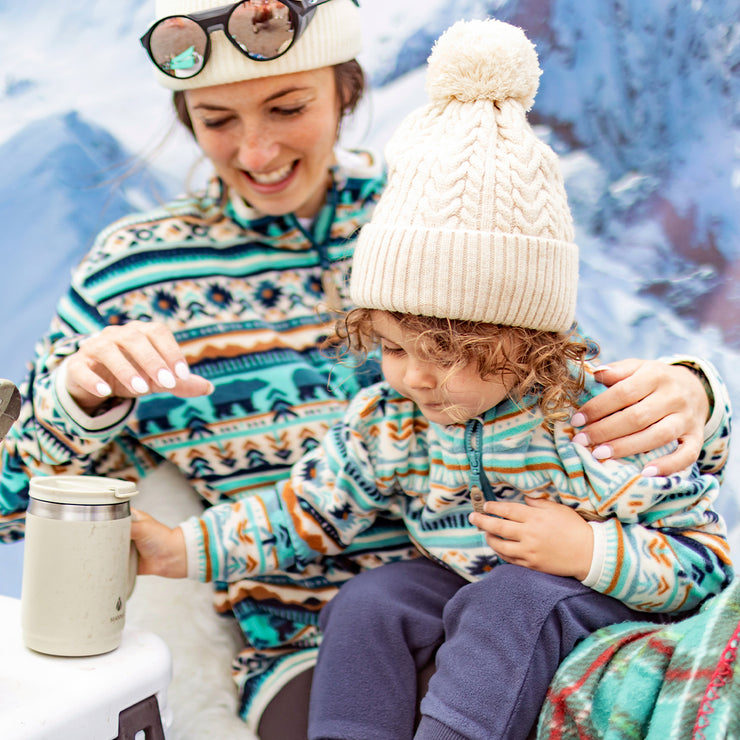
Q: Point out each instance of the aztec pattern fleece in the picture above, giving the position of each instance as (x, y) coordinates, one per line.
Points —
(636, 681)
(245, 296)
(658, 543)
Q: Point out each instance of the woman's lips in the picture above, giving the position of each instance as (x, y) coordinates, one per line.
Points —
(273, 180)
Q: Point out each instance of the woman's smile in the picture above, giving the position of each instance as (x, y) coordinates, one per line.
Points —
(277, 176)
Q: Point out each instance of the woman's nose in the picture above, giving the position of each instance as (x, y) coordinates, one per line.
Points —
(257, 151)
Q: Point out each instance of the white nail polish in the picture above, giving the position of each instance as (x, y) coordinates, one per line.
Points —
(166, 379)
(182, 370)
(602, 452)
(578, 419)
(103, 389)
(139, 385)
(581, 439)
(649, 471)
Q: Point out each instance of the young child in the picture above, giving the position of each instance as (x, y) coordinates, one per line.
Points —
(466, 277)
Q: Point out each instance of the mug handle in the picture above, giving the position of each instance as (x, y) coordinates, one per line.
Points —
(133, 566)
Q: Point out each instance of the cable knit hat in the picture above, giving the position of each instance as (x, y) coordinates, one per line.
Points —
(474, 223)
(333, 36)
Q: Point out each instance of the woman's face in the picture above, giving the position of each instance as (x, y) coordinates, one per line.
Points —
(271, 139)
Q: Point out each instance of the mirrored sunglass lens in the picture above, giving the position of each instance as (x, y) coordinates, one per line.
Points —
(263, 28)
(178, 46)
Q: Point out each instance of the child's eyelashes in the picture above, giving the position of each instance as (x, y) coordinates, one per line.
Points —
(387, 349)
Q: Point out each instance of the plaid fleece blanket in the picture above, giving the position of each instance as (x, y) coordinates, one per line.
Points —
(642, 681)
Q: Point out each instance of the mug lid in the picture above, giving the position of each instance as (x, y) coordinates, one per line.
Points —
(81, 489)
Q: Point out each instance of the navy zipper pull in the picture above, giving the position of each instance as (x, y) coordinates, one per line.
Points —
(480, 487)
(473, 451)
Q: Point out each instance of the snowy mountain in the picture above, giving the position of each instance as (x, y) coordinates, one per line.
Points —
(62, 181)
(639, 98)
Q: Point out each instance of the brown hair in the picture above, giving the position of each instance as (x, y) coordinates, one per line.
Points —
(349, 79)
(548, 364)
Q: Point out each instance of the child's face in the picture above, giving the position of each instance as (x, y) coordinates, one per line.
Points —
(442, 397)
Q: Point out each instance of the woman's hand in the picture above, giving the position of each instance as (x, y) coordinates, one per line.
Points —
(541, 535)
(161, 549)
(648, 404)
(127, 361)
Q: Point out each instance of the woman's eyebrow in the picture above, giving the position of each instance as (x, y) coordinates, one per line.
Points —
(269, 99)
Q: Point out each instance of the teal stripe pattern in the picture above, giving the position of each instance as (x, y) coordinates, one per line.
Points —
(665, 545)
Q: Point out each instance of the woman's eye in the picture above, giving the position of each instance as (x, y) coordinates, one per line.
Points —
(289, 112)
(216, 122)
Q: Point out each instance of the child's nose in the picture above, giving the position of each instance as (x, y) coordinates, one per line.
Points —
(420, 374)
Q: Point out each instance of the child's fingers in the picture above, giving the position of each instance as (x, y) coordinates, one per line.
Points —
(506, 550)
(495, 526)
(510, 510)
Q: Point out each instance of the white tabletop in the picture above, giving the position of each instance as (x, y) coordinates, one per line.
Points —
(44, 697)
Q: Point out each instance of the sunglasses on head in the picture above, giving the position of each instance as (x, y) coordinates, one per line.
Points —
(260, 29)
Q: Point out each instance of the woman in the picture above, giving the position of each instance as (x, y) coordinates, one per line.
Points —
(191, 333)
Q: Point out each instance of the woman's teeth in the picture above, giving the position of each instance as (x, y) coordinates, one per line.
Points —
(270, 178)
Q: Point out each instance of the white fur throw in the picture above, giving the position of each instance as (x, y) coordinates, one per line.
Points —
(202, 695)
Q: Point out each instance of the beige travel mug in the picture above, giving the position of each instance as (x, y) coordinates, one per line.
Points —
(79, 564)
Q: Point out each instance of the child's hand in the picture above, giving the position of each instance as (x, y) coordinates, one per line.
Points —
(161, 549)
(542, 535)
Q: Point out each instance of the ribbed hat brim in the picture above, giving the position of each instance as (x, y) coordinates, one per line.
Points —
(496, 278)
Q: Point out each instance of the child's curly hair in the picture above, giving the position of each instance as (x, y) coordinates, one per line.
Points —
(549, 364)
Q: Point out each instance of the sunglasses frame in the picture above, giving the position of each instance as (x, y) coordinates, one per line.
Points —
(217, 19)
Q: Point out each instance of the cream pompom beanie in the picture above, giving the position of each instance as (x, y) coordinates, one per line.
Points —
(333, 36)
(474, 222)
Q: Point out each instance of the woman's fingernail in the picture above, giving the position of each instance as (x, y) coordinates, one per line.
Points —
(649, 471)
(103, 389)
(601, 367)
(582, 439)
(139, 384)
(602, 452)
(578, 419)
(166, 379)
(182, 370)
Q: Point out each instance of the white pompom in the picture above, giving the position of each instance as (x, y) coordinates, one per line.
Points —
(488, 60)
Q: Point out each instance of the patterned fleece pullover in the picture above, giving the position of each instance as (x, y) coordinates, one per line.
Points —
(659, 544)
(246, 298)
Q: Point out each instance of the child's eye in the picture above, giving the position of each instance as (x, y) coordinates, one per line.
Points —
(391, 349)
